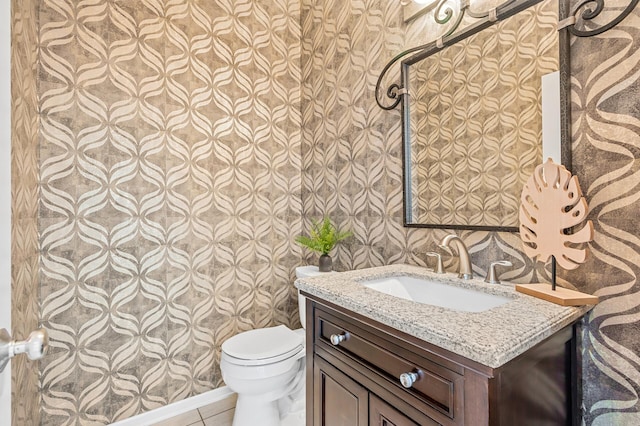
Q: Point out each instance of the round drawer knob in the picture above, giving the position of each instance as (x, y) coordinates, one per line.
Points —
(408, 379)
(336, 339)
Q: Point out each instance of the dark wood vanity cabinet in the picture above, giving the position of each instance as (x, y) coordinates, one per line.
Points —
(354, 381)
(340, 401)
(381, 413)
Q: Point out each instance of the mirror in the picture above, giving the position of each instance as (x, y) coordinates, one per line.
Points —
(472, 119)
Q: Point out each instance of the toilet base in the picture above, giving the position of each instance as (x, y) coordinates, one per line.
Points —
(252, 411)
(267, 409)
(297, 416)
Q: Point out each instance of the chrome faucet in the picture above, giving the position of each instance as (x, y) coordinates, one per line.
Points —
(465, 271)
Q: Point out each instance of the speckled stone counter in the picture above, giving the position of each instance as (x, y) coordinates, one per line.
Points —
(492, 337)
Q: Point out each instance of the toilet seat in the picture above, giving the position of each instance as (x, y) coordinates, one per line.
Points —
(263, 346)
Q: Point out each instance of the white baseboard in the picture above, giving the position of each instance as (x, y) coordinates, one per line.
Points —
(177, 408)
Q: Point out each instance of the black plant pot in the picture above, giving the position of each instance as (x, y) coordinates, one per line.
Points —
(325, 263)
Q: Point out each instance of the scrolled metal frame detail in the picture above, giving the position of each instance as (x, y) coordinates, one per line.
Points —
(501, 12)
(443, 13)
(482, 20)
(393, 91)
(589, 14)
(567, 16)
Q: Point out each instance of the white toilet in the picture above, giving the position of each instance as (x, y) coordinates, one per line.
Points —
(265, 367)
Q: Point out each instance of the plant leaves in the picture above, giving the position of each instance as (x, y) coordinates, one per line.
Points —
(323, 236)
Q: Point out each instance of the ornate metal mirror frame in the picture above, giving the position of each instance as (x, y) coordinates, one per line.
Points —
(579, 21)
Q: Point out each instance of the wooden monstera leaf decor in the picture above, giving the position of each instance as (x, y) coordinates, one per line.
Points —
(551, 206)
(553, 225)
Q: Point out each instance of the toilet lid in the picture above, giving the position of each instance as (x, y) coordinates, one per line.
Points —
(264, 344)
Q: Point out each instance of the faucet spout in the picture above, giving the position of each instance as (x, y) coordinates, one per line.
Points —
(465, 271)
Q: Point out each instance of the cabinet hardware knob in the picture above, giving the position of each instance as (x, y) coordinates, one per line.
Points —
(336, 339)
(408, 379)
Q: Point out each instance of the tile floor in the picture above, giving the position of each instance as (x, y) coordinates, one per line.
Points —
(217, 414)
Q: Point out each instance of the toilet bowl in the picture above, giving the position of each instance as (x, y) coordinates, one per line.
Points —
(266, 368)
(262, 366)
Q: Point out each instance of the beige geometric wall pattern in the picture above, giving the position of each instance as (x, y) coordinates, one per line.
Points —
(491, 154)
(24, 207)
(606, 154)
(352, 171)
(134, 311)
(170, 194)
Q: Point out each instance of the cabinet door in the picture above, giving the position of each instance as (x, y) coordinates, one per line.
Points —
(338, 400)
(382, 414)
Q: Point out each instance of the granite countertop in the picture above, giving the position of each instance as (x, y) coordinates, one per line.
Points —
(492, 337)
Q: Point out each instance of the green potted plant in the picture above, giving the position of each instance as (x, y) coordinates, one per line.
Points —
(322, 239)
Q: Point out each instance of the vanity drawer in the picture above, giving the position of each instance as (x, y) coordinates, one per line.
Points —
(437, 387)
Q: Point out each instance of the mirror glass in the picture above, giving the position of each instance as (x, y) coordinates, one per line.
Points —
(474, 116)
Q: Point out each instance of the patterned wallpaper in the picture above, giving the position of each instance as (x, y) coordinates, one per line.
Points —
(24, 207)
(171, 142)
(170, 194)
(606, 154)
(352, 170)
(476, 115)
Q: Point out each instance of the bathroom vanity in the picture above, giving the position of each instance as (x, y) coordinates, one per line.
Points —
(376, 359)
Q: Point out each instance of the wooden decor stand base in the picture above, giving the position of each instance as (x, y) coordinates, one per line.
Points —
(561, 296)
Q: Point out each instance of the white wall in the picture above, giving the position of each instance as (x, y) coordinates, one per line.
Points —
(5, 197)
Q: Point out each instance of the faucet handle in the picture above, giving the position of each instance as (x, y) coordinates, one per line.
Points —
(439, 266)
(492, 276)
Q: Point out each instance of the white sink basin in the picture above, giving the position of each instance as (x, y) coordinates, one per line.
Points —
(436, 293)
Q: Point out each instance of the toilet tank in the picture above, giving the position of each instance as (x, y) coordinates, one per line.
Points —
(306, 272)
